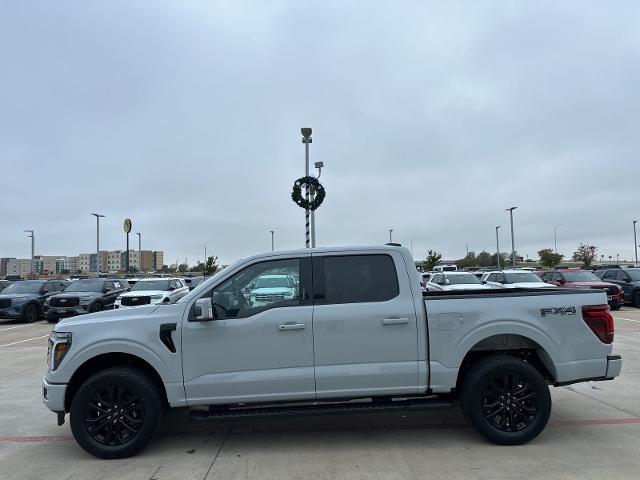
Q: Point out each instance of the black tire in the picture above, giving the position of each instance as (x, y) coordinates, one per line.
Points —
(506, 400)
(97, 307)
(617, 307)
(636, 299)
(52, 319)
(31, 313)
(136, 422)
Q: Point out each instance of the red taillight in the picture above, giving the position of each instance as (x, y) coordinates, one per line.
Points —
(600, 321)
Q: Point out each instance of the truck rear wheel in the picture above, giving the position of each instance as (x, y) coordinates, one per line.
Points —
(506, 400)
(116, 412)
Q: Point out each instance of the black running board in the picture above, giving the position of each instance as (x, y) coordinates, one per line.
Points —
(223, 413)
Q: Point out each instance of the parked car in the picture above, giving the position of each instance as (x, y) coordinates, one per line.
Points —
(358, 328)
(628, 279)
(576, 278)
(4, 284)
(449, 281)
(84, 296)
(151, 291)
(192, 282)
(24, 300)
(270, 288)
(514, 279)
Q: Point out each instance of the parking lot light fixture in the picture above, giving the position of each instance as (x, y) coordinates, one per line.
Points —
(555, 237)
(498, 246)
(32, 236)
(635, 241)
(140, 251)
(272, 245)
(513, 243)
(98, 217)
(390, 235)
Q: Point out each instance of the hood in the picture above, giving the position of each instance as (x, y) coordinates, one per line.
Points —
(468, 286)
(17, 296)
(77, 294)
(528, 285)
(104, 316)
(144, 293)
(593, 284)
(271, 290)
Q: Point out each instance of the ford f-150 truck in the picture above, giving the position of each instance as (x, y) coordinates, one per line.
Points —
(359, 335)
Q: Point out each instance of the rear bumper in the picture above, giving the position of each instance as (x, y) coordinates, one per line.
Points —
(53, 395)
(614, 366)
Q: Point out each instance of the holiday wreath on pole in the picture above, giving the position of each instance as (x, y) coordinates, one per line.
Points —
(316, 187)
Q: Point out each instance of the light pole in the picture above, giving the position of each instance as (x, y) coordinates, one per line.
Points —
(513, 244)
(498, 246)
(271, 231)
(390, 236)
(32, 236)
(98, 217)
(306, 139)
(635, 241)
(139, 251)
(555, 237)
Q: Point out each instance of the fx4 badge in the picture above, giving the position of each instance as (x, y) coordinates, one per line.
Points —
(558, 311)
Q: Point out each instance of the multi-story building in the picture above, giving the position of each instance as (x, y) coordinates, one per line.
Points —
(115, 261)
(158, 260)
(71, 264)
(21, 267)
(3, 265)
(84, 262)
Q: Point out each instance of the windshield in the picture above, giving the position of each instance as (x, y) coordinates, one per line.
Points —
(581, 277)
(633, 273)
(273, 282)
(522, 277)
(23, 287)
(151, 285)
(85, 286)
(462, 279)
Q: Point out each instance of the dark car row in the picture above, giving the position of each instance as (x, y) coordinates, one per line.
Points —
(29, 300)
(574, 278)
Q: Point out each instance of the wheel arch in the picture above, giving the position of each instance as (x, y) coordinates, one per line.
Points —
(107, 360)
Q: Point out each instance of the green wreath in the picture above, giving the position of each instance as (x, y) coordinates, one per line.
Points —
(313, 183)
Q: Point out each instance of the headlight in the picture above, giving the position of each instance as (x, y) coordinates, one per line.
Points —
(119, 299)
(156, 297)
(86, 298)
(18, 301)
(59, 344)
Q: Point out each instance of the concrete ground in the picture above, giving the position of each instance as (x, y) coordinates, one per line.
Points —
(594, 433)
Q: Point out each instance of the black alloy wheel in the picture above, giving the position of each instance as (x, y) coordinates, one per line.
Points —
(31, 313)
(116, 412)
(509, 403)
(97, 307)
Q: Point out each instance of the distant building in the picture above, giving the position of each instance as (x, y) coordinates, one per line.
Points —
(20, 267)
(3, 265)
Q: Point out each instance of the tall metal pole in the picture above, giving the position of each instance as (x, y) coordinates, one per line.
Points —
(555, 237)
(498, 246)
(32, 236)
(271, 240)
(98, 217)
(513, 243)
(306, 139)
(139, 252)
(635, 241)
(390, 237)
(128, 266)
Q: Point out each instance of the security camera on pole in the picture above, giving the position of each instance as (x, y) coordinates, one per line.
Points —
(312, 186)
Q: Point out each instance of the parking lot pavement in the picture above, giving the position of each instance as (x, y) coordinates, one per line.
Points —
(594, 433)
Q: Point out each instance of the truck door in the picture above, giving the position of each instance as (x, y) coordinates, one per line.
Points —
(259, 346)
(364, 323)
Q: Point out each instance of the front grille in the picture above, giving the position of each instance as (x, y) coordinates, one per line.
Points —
(135, 301)
(272, 297)
(64, 302)
(5, 302)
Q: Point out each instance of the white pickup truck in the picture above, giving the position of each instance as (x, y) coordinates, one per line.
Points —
(357, 335)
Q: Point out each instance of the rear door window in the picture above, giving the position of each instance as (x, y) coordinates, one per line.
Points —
(356, 279)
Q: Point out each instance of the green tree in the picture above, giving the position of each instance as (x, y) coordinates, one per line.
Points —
(198, 268)
(494, 260)
(133, 269)
(586, 254)
(468, 261)
(211, 266)
(183, 267)
(548, 258)
(432, 260)
(483, 259)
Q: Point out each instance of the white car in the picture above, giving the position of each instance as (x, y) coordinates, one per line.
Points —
(514, 279)
(272, 288)
(152, 290)
(449, 281)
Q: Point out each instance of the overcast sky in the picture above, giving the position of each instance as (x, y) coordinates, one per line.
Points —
(431, 119)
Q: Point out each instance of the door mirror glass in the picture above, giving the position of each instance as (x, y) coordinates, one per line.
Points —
(203, 310)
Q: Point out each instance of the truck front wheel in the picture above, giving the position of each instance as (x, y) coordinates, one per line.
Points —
(115, 412)
(506, 400)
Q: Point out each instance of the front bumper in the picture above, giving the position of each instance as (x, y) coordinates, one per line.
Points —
(53, 395)
(15, 313)
(60, 312)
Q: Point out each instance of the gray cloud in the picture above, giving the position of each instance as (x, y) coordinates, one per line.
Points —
(431, 119)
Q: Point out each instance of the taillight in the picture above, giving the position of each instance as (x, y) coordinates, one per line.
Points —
(600, 321)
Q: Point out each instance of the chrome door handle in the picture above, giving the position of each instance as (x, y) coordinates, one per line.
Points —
(395, 321)
(291, 326)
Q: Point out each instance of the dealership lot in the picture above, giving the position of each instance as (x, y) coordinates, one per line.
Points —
(594, 433)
